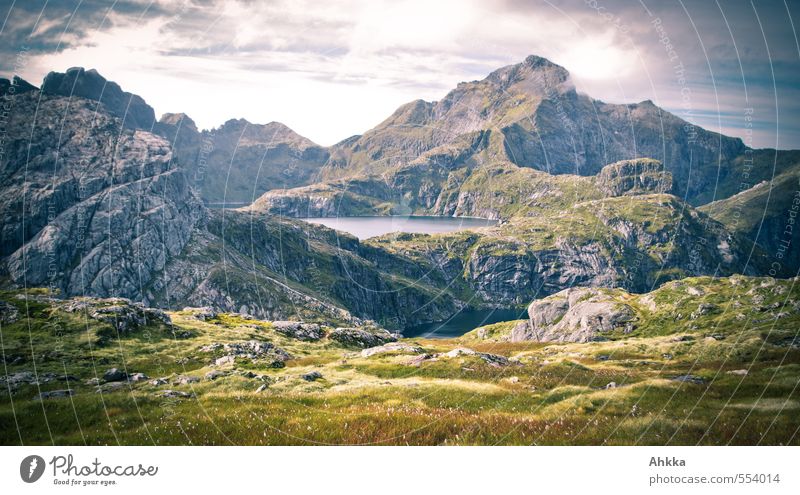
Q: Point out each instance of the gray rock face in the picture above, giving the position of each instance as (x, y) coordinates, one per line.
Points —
(122, 314)
(639, 176)
(89, 84)
(575, 315)
(94, 208)
(8, 313)
(357, 337)
(299, 330)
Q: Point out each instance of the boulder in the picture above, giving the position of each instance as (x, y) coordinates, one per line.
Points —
(392, 348)
(138, 377)
(576, 315)
(214, 374)
(312, 376)
(54, 394)
(299, 330)
(359, 337)
(492, 359)
(203, 313)
(8, 313)
(122, 314)
(185, 380)
(114, 375)
(175, 394)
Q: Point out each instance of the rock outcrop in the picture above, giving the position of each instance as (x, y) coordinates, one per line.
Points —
(575, 315)
(640, 176)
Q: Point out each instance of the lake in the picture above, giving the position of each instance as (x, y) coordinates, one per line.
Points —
(464, 321)
(366, 227)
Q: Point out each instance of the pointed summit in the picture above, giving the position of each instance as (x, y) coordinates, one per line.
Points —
(89, 84)
(536, 76)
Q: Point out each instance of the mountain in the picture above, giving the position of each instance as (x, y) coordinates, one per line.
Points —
(92, 207)
(767, 213)
(234, 163)
(530, 114)
(239, 161)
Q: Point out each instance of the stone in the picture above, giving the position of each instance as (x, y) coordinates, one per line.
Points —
(741, 372)
(261, 388)
(392, 348)
(299, 330)
(690, 379)
(138, 377)
(312, 376)
(114, 375)
(185, 380)
(203, 313)
(214, 374)
(93, 382)
(575, 315)
(492, 359)
(158, 382)
(8, 313)
(358, 337)
(225, 360)
(610, 385)
(175, 394)
(54, 394)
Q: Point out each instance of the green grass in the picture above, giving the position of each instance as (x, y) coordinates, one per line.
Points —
(550, 394)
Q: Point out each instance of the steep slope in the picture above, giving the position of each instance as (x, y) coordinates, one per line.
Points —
(91, 207)
(531, 115)
(767, 213)
(633, 242)
(234, 163)
(239, 161)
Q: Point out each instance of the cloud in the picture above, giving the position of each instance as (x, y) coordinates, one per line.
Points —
(332, 69)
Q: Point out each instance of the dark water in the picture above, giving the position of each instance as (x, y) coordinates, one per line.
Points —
(365, 227)
(463, 322)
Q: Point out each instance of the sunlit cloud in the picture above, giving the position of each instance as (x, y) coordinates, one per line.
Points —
(333, 69)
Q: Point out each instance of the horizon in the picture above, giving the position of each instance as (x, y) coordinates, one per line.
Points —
(330, 73)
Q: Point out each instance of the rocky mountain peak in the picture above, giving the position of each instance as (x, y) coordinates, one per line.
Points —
(178, 119)
(89, 84)
(535, 75)
(18, 84)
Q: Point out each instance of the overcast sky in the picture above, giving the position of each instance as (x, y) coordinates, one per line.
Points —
(331, 69)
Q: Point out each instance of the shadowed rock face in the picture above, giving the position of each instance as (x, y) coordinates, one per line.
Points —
(89, 84)
(640, 176)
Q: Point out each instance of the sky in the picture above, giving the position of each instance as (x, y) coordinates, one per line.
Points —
(332, 69)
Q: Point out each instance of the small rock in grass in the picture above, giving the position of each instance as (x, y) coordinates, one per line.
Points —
(185, 380)
(225, 360)
(312, 376)
(261, 388)
(158, 381)
(175, 394)
(138, 377)
(93, 381)
(741, 372)
(114, 375)
(213, 375)
(610, 385)
(697, 380)
(54, 394)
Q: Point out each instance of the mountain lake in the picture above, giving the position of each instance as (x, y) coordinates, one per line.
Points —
(371, 226)
(464, 321)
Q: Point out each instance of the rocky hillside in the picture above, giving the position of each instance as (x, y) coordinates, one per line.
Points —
(92, 207)
(634, 242)
(234, 163)
(703, 361)
(530, 114)
(700, 307)
(239, 161)
(767, 213)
